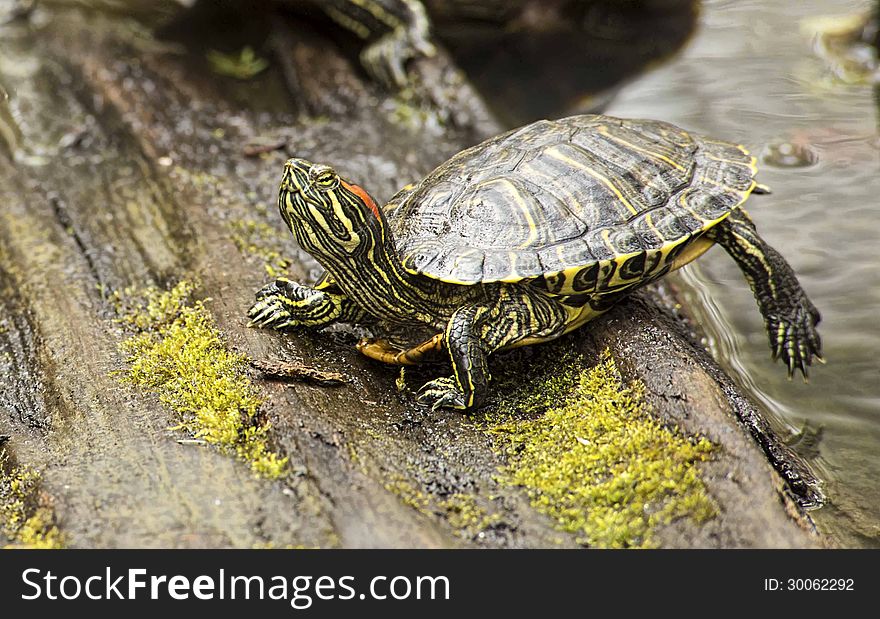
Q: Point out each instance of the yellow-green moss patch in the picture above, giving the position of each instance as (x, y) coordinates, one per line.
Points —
(177, 352)
(466, 516)
(408, 494)
(26, 515)
(589, 454)
(461, 511)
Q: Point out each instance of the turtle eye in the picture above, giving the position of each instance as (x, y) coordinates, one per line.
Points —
(327, 180)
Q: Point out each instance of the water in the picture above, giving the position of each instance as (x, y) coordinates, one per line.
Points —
(750, 76)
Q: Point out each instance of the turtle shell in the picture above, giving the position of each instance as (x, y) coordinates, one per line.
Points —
(580, 204)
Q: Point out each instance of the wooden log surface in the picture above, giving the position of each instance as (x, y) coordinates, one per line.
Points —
(136, 169)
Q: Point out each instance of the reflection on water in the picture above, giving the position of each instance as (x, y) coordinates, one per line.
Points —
(566, 56)
(848, 44)
(750, 75)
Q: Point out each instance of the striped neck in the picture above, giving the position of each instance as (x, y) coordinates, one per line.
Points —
(373, 277)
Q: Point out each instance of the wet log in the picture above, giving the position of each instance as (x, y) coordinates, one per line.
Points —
(141, 163)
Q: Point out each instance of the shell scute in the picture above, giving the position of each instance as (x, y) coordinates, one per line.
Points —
(583, 203)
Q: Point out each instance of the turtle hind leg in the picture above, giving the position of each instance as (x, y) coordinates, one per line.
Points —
(475, 331)
(789, 315)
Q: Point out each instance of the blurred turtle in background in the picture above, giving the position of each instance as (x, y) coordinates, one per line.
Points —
(560, 53)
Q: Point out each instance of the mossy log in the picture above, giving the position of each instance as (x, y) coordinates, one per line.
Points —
(138, 166)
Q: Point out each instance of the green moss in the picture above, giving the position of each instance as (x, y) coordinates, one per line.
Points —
(26, 517)
(466, 516)
(199, 179)
(461, 511)
(409, 494)
(589, 454)
(151, 310)
(258, 239)
(177, 352)
(558, 376)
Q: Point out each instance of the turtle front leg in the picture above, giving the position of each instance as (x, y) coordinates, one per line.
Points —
(397, 31)
(789, 316)
(285, 304)
(519, 316)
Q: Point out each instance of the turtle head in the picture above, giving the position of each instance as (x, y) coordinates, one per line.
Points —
(325, 212)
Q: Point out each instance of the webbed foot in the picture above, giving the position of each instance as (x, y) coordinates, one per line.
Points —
(271, 312)
(276, 303)
(442, 393)
(789, 315)
(794, 338)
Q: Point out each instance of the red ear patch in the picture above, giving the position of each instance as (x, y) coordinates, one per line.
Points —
(363, 195)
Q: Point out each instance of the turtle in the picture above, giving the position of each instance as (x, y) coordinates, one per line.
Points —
(525, 237)
(395, 32)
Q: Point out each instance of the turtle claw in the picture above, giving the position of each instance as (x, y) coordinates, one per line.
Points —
(275, 306)
(269, 313)
(442, 393)
(383, 64)
(795, 340)
(258, 312)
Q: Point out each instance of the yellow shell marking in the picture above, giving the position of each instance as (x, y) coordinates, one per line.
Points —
(604, 131)
(553, 152)
(511, 190)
